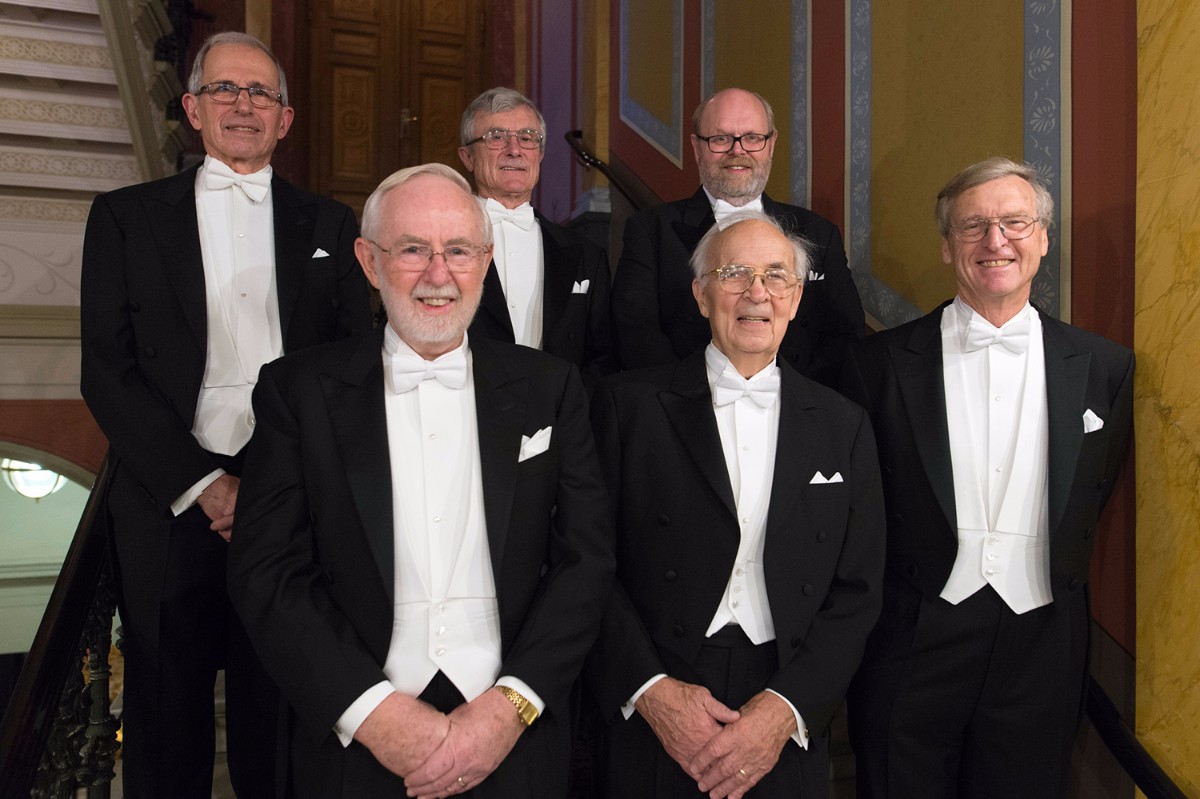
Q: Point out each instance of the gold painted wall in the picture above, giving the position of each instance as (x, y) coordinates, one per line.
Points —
(758, 57)
(947, 88)
(1167, 413)
(650, 50)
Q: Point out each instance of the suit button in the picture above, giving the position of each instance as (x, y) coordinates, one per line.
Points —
(1073, 585)
(150, 352)
(913, 571)
(669, 575)
(663, 519)
(134, 306)
(821, 536)
(807, 589)
(677, 631)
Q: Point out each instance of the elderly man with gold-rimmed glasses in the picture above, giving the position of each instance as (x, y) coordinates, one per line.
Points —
(749, 544)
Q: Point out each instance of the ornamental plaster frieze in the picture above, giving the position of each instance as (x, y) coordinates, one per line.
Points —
(73, 6)
(63, 169)
(40, 263)
(29, 114)
(60, 55)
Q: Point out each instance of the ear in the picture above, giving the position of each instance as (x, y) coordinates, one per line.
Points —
(285, 120)
(701, 297)
(796, 302)
(365, 252)
(947, 256)
(191, 107)
(1045, 239)
(464, 155)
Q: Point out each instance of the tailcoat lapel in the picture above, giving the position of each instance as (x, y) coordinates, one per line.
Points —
(697, 219)
(1066, 387)
(493, 303)
(354, 396)
(501, 401)
(171, 214)
(559, 268)
(688, 406)
(295, 221)
(922, 386)
(793, 445)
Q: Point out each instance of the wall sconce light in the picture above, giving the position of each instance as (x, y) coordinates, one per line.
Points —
(29, 479)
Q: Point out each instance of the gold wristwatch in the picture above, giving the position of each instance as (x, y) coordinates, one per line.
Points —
(525, 709)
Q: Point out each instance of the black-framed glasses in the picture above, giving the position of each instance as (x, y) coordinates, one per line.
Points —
(723, 142)
(737, 278)
(1013, 228)
(497, 138)
(415, 257)
(227, 94)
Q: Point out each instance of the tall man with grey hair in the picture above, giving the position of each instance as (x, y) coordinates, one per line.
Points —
(1001, 431)
(749, 545)
(424, 546)
(546, 287)
(189, 285)
(654, 316)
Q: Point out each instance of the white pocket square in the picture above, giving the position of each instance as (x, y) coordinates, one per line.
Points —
(320, 253)
(1091, 422)
(816, 276)
(820, 479)
(581, 287)
(535, 444)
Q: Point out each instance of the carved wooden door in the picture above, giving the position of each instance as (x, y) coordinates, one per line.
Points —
(390, 80)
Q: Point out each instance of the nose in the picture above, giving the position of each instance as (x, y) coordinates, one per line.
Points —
(758, 288)
(511, 147)
(995, 234)
(242, 103)
(438, 271)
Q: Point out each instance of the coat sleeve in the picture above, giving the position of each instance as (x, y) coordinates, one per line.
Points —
(143, 425)
(637, 327)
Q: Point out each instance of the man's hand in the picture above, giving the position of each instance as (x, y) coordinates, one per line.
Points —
(685, 717)
(482, 733)
(742, 753)
(217, 502)
(402, 732)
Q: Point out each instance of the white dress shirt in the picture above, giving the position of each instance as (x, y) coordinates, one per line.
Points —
(446, 617)
(520, 265)
(237, 246)
(999, 436)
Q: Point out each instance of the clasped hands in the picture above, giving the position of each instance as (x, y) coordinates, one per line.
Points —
(726, 751)
(439, 754)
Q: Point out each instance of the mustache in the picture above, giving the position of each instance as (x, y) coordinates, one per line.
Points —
(428, 292)
(739, 160)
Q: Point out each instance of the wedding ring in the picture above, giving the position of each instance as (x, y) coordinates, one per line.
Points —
(742, 771)
(462, 782)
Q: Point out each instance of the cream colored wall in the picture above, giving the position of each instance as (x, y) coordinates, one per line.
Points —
(1167, 341)
(945, 94)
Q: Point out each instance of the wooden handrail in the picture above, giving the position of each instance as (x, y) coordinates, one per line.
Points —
(590, 161)
(55, 655)
(1125, 747)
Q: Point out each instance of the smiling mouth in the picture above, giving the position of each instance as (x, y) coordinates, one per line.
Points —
(996, 263)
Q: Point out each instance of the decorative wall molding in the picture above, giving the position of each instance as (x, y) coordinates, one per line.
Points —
(664, 135)
(60, 169)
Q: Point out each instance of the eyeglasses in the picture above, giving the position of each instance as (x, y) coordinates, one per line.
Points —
(1013, 228)
(227, 94)
(737, 278)
(418, 257)
(497, 138)
(723, 142)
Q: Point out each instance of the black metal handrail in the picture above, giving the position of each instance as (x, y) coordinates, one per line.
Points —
(50, 689)
(1125, 747)
(590, 161)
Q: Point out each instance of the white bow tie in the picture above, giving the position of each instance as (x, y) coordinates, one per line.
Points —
(722, 209)
(1014, 336)
(407, 371)
(218, 175)
(731, 387)
(521, 216)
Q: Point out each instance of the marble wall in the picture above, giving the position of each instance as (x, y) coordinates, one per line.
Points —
(1167, 340)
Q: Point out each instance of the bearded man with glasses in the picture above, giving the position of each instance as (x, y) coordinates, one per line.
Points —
(546, 286)
(1001, 431)
(749, 545)
(654, 317)
(189, 285)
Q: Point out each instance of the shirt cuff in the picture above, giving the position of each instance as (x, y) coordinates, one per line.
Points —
(521, 687)
(628, 709)
(353, 717)
(188, 498)
(800, 736)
